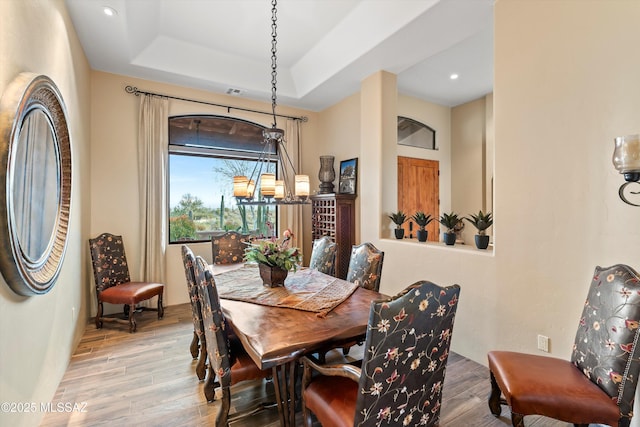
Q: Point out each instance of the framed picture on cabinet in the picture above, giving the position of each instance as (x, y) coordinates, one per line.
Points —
(348, 176)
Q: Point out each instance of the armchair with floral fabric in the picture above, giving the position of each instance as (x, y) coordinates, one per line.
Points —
(400, 382)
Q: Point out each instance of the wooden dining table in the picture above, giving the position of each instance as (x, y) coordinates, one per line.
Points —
(276, 337)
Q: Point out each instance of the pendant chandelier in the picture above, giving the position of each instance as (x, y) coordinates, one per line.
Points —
(263, 187)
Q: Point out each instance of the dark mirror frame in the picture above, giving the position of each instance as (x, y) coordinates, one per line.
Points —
(26, 272)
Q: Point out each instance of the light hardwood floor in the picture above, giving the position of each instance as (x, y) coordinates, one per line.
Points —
(148, 378)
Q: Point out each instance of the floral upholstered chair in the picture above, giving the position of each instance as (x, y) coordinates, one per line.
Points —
(400, 382)
(323, 255)
(365, 266)
(227, 359)
(113, 283)
(598, 385)
(229, 247)
(198, 343)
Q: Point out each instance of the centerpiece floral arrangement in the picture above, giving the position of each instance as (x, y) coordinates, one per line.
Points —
(274, 252)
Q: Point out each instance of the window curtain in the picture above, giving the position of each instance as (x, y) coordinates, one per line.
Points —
(152, 165)
(291, 215)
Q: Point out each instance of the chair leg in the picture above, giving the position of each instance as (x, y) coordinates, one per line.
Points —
(306, 380)
(210, 386)
(195, 346)
(517, 420)
(201, 367)
(494, 397)
(132, 319)
(160, 307)
(223, 416)
(99, 316)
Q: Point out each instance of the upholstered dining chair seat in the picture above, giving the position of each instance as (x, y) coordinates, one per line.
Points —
(321, 399)
(573, 395)
(131, 293)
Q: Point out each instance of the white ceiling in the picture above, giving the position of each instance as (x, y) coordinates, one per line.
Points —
(325, 47)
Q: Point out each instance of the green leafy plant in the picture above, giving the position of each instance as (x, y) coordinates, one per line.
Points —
(275, 253)
(398, 218)
(449, 221)
(422, 219)
(481, 221)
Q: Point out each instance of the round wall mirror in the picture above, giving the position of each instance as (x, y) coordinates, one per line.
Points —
(35, 156)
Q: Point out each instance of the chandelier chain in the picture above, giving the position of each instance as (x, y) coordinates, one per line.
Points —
(274, 71)
(263, 188)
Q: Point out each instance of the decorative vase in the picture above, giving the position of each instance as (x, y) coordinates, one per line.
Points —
(482, 241)
(272, 276)
(399, 233)
(449, 238)
(326, 175)
(422, 235)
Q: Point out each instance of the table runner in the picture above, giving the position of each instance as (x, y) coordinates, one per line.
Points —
(306, 289)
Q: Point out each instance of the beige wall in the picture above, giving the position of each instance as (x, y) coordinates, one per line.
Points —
(38, 333)
(469, 153)
(339, 136)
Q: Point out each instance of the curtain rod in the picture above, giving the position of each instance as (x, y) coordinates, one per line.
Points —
(135, 91)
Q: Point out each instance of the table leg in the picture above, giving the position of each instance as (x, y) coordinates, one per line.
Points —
(280, 400)
(284, 380)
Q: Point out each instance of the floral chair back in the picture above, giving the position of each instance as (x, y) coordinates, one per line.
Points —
(405, 358)
(225, 356)
(323, 255)
(110, 266)
(365, 266)
(606, 347)
(199, 341)
(229, 247)
(217, 338)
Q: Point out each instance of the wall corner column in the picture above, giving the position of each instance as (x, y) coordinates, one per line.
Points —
(378, 163)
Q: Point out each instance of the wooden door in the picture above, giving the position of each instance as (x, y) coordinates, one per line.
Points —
(418, 190)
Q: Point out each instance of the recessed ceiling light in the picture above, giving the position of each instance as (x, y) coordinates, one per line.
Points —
(109, 11)
(453, 76)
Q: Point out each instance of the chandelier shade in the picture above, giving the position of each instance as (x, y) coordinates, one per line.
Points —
(272, 189)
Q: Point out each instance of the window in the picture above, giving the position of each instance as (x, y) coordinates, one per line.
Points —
(205, 152)
(412, 132)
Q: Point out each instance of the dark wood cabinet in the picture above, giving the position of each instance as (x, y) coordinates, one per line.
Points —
(334, 215)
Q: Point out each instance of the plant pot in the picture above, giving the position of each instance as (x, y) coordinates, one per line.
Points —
(422, 235)
(482, 242)
(272, 276)
(449, 238)
(399, 233)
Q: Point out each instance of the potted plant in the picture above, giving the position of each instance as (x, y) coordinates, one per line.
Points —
(481, 221)
(449, 221)
(275, 258)
(398, 219)
(422, 220)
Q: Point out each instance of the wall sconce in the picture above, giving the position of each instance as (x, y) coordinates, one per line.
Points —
(626, 159)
